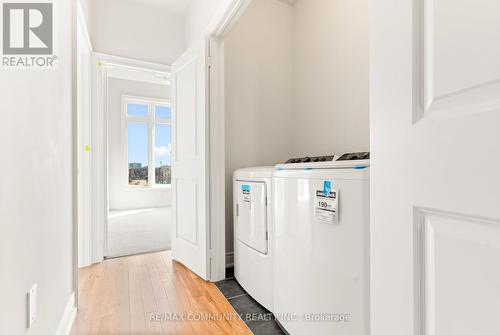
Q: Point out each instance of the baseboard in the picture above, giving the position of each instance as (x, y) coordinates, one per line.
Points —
(229, 259)
(68, 317)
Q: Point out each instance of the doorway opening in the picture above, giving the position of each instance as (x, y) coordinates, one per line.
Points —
(139, 164)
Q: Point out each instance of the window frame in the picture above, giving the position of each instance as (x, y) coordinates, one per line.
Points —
(151, 121)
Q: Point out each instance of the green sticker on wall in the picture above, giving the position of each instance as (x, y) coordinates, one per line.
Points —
(87, 148)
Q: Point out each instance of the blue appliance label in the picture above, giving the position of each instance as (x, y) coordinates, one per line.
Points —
(327, 186)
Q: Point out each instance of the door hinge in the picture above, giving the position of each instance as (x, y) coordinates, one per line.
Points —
(210, 61)
(237, 209)
(267, 236)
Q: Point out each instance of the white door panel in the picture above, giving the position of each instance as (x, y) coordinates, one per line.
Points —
(186, 102)
(186, 205)
(464, 39)
(251, 220)
(435, 176)
(459, 277)
(189, 164)
(457, 54)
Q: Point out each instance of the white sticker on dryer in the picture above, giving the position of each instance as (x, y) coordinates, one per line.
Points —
(326, 207)
(246, 198)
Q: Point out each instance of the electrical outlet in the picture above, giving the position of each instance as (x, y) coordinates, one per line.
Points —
(32, 305)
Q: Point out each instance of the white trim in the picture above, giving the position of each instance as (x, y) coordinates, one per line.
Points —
(134, 74)
(83, 138)
(99, 163)
(68, 317)
(132, 69)
(221, 23)
(217, 206)
(226, 16)
(146, 100)
(74, 145)
(83, 25)
(134, 63)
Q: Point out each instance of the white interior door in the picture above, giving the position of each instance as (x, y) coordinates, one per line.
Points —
(189, 164)
(435, 192)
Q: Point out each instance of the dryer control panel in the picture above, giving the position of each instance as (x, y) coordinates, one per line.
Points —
(351, 159)
(354, 156)
(308, 159)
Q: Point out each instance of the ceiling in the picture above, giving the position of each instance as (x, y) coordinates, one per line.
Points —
(174, 6)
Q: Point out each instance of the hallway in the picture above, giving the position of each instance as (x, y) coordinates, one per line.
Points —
(123, 295)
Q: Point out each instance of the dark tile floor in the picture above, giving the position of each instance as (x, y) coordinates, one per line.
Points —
(258, 319)
(230, 272)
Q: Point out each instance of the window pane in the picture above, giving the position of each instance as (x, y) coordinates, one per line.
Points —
(137, 153)
(137, 109)
(163, 150)
(163, 112)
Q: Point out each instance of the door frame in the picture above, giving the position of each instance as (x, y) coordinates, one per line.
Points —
(83, 106)
(106, 67)
(221, 24)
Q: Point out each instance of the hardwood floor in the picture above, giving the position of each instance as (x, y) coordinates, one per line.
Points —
(149, 294)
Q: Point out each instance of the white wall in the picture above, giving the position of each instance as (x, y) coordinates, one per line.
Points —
(121, 197)
(199, 15)
(258, 89)
(132, 30)
(36, 195)
(330, 99)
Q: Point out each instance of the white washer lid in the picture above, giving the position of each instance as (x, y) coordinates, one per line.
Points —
(254, 172)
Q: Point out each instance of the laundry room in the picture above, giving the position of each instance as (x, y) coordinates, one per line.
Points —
(296, 99)
(296, 84)
(250, 167)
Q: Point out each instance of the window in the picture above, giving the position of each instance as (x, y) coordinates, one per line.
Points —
(149, 141)
(162, 153)
(137, 153)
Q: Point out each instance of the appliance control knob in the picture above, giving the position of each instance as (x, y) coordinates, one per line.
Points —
(306, 159)
(323, 159)
(316, 159)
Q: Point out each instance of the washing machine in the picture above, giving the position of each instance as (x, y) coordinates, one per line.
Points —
(253, 250)
(321, 255)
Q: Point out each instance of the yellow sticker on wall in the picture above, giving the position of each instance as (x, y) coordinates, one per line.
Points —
(87, 148)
